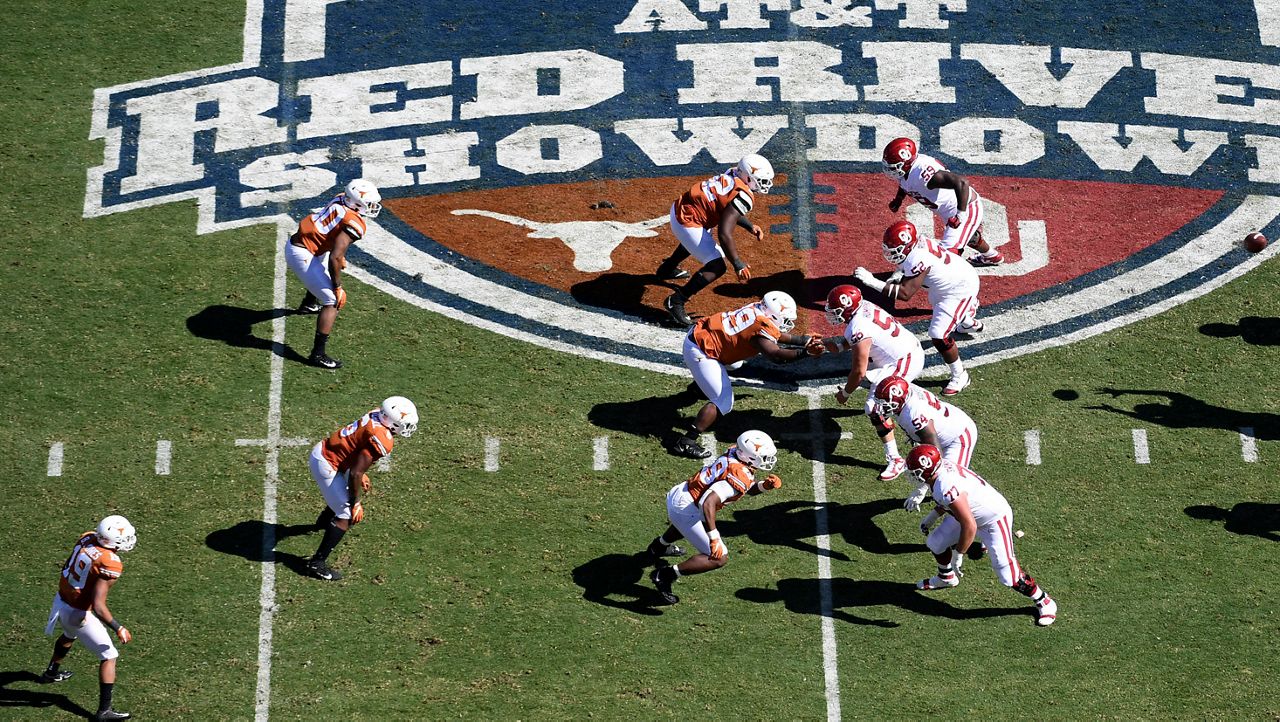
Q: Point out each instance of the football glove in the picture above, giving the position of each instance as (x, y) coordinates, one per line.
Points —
(814, 346)
(954, 221)
(841, 396)
(744, 273)
(718, 550)
(771, 482)
(342, 297)
(364, 482)
(914, 501)
(357, 513)
(896, 203)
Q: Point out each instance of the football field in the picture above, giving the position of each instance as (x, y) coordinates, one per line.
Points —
(153, 367)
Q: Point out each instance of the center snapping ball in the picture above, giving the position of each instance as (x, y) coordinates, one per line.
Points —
(1255, 242)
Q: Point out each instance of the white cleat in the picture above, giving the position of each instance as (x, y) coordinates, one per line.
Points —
(1046, 611)
(956, 384)
(938, 582)
(893, 469)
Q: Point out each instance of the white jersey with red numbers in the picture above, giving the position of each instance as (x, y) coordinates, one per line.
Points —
(988, 505)
(945, 274)
(942, 201)
(956, 432)
(891, 344)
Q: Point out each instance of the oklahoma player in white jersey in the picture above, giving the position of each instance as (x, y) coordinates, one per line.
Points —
(948, 195)
(971, 508)
(953, 291)
(926, 419)
(881, 348)
(692, 507)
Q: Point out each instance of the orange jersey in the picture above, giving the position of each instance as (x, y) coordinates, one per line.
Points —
(726, 337)
(88, 561)
(318, 231)
(726, 468)
(702, 205)
(364, 434)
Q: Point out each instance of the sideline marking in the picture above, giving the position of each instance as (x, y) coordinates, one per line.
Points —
(1268, 12)
(55, 459)
(164, 453)
(708, 442)
(1140, 452)
(823, 542)
(1248, 444)
(1032, 440)
(292, 441)
(600, 449)
(492, 447)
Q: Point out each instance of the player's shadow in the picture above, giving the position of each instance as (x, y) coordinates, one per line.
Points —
(1250, 518)
(791, 524)
(11, 697)
(619, 581)
(233, 326)
(245, 540)
(1187, 412)
(623, 292)
(803, 596)
(1253, 330)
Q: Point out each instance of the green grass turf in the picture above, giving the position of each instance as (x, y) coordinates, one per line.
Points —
(509, 594)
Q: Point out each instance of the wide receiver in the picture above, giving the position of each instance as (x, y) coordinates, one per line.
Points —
(953, 291)
(692, 507)
(80, 606)
(720, 202)
(881, 348)
(338, 465)
(728, 339)
(947, 194)
(927, 420)
(316, 253)
(971, 508)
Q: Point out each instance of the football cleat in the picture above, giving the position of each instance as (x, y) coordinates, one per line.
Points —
(670, 272)
(894, 468)
(956, 385)
(973, 325)
(110, 714)
(324, 361)
(675, 306)
(945, 581)
(663, 585)
(318, 569)
(309, 304)
(48, 677)
(980, 261)
(689, 449)
(657, 550)
(1046, 611)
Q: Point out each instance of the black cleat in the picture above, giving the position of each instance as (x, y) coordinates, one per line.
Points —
(309, 304)
(323, 361)
(689, 449)
(675, 306)
(61, 675)
(664, 586)
(320, 570)
(670, 272)
(110, 714)
(657, 550)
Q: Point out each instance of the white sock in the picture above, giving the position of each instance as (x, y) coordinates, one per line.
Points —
(891, 449)
(957, 368)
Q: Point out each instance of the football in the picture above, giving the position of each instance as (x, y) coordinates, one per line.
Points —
(1255, 242)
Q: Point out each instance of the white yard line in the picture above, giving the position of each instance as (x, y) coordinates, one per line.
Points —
(600, 452)
(492, 452)
(1031, 439)
(823, 541)
(1141, 454)
(55, 459)
(1248, 444)
(708, 442)
(164, 456)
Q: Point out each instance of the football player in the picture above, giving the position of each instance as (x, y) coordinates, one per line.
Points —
(316, 253)
(953, 291)
(692, 507)
(971, 508)
(927, 420)
(728, 339)
(338, 465)
(948, 195)
(881, 348)
(80, 606)
(720, 202)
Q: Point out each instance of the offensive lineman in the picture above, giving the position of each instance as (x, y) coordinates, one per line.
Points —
(927, 420)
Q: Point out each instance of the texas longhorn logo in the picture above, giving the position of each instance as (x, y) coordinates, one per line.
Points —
(527, 192)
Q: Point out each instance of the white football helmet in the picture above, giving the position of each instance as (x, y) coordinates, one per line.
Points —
(757, 172)
(780, 307)
(756, 449)
(399, 415)
(116, 533)
(363, 196)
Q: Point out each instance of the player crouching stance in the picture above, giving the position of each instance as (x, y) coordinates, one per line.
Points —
(80, 606)
(692, 507)
(971, 507)
(338, 465)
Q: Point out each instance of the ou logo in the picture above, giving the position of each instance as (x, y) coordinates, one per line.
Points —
(904, 236)
(904, 153)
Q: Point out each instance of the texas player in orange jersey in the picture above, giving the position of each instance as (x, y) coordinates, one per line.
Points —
(720, 202)
(80, 606)
(316, 253)
(338, 465)
(692, 507)
(727, 340)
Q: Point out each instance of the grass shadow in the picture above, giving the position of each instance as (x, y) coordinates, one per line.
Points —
(1253, 330)
(803, 596)
(619, 581)
(246, 540)
(1180, 411)
(233, 326)
(791, 524)
(1248, 518)
(10, 697)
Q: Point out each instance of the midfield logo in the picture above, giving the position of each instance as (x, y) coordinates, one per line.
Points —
(528, 157)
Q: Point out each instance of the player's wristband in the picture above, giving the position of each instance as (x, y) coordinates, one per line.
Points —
(738, 264)
(115, 626)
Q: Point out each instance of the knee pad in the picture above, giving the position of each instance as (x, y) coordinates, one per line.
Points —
(881, 424)
(976, 239)
(943, 344)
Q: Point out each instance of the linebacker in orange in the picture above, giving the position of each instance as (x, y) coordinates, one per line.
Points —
(726, 340)
(338, 465)
(80, 606)
(316, 253)
(692, 507)
(720, 202)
